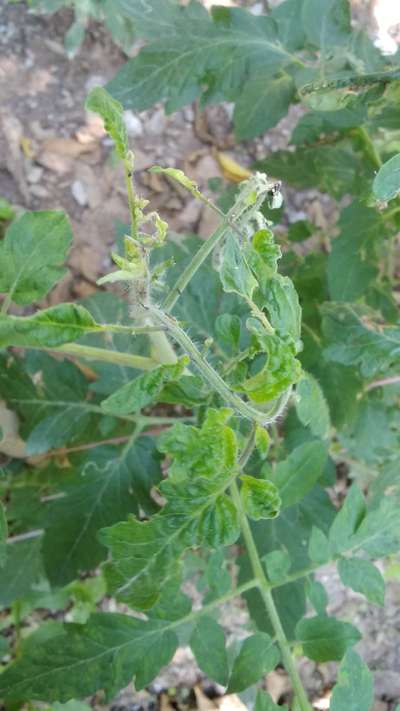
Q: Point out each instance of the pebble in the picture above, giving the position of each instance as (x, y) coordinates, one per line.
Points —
(157, 124)
(79, 192)
(133, 124)
(34, 175)
(95, 80)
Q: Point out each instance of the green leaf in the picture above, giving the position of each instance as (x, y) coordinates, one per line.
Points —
(278, 565)
(209, 451)
(378, 534)
(111, 483)
(208, 646)
(23, 567)
(363, 577)
(104, 654)
(3, 535)
(257, 657)
(260, 498)
(191, 51)
(147, 554)
(319, 548)
(355, 337)
(352, 262)
(297, 474)
(317, 595)
(261, 104)
(32, 255)
(325, 638)
(283, 306)
(347, 520)
(49, 328)
(57, 397)
(328, 24)
(354, 690)
(265, 703)
(235, 273)
(262, 441)
(311, 406)
(386, 185)
(111, 111)
(143, 390)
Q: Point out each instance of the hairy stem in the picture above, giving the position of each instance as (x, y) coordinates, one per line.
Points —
(214, 379)
(370, 148)
(265, 591)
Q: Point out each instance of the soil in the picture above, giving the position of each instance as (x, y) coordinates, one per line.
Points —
(53, 154)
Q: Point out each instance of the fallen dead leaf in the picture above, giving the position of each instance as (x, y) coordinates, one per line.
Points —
(68, 147)
(231, 702)
(11, 443)
(12, 130)
(231, 170)
(203, 702)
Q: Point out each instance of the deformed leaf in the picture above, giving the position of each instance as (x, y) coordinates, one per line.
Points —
(325, 638)
(260, 498)
(146, 554)
(311, 406)
(208, 646)
(386, 185)
(104, 654)
(258, 656)
(143, 390)
(354, 689)
(209, 451)
(297, 474)
(111, 111)
(363, 577)
(236, 275)
(49, 328)
(32, 255)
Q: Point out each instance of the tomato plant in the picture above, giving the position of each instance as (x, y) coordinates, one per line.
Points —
(210, 406)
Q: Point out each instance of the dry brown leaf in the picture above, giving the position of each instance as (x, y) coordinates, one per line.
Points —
(231, 702)
(165, 703)
(11, 443)
(11, 128)
(68, 147)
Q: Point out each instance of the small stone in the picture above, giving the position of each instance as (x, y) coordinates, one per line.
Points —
(79, 192)
(157, 124)
(34, 175)
(39, 191)
(133, 124)
(95, 80)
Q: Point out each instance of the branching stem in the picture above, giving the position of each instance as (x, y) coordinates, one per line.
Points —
(265, 591)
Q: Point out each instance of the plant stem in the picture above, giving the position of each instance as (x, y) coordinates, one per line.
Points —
(198, 259)
(215, 380)
(101, 354)
(370, 147)
(265, 591)
(128, 168)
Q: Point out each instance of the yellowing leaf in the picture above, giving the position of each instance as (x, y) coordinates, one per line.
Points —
(231, 170)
